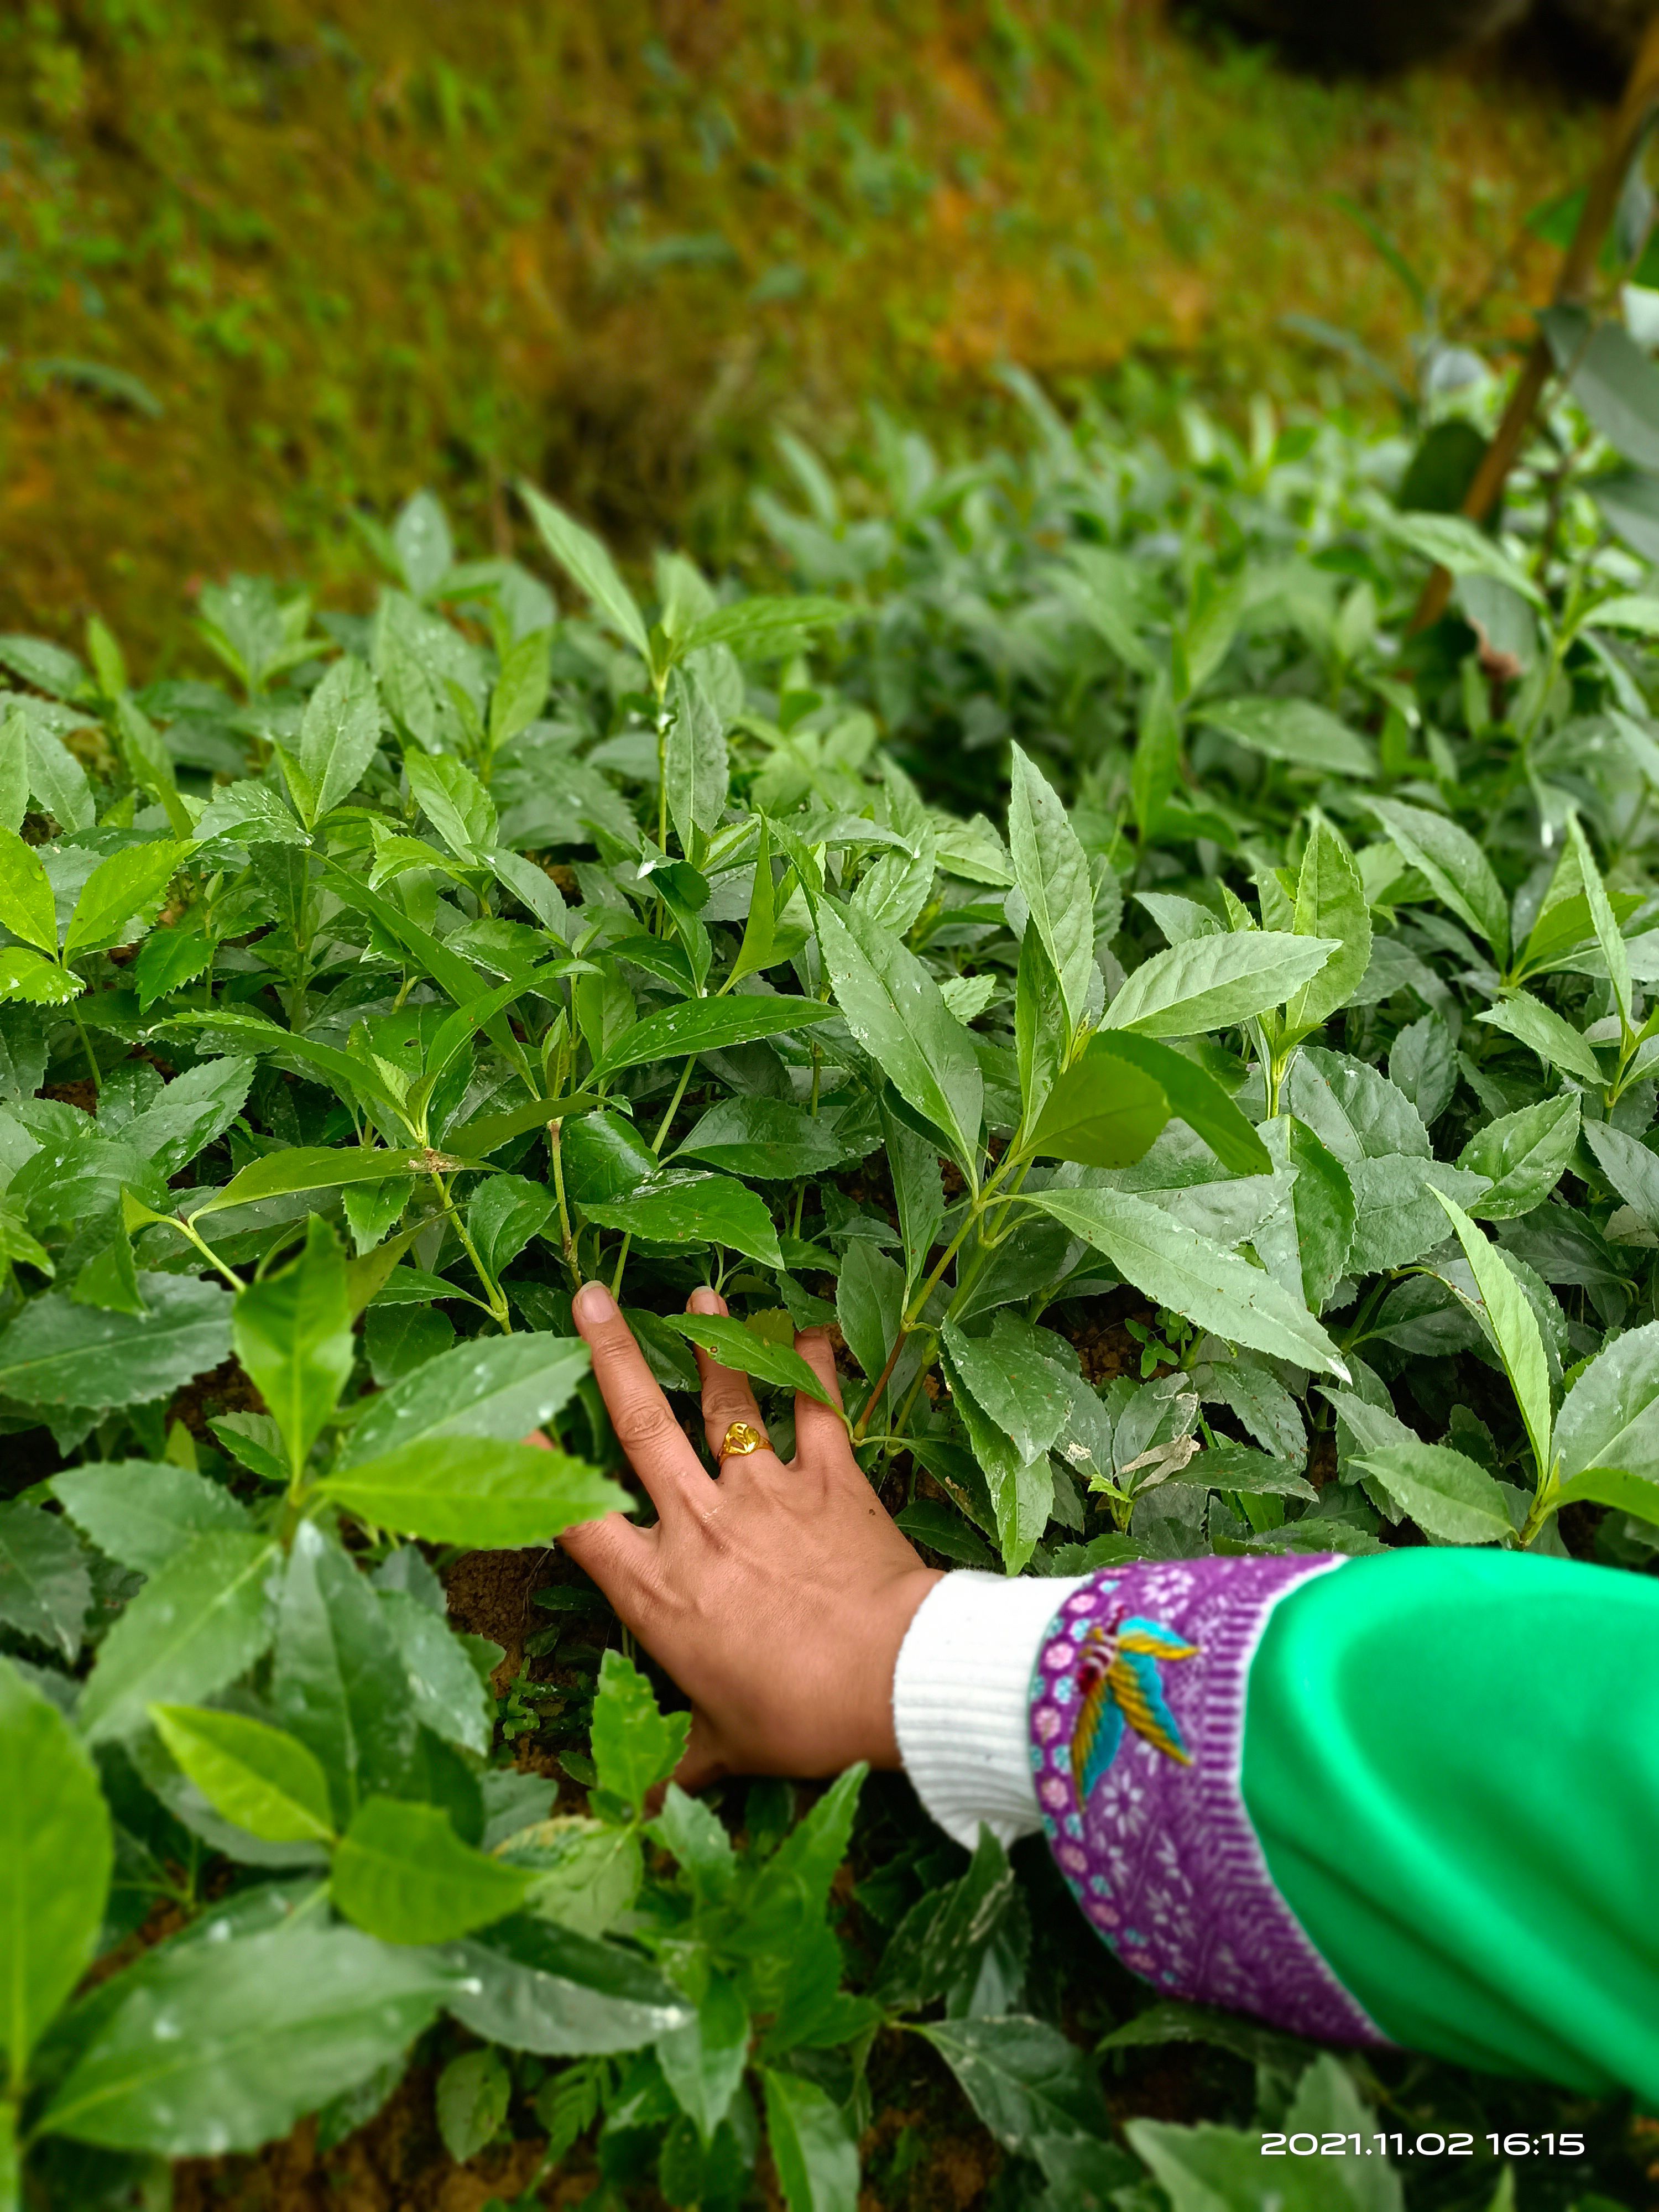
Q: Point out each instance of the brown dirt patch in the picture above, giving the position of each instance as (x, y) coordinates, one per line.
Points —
(490, 1594)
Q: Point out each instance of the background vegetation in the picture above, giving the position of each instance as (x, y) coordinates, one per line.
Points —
(258, 263)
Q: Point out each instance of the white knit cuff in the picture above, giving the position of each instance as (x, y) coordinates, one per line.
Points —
(960, 1691)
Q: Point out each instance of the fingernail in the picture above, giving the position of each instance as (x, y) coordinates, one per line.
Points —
(593, 1303)
(706, 1300)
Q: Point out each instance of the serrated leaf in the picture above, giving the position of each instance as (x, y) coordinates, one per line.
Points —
(402, 1873)
(292, 1335)
(1514, 1327)
(220, 2047)
(894, 1009)
(470, 1490)
(58, 1354)
(499, 1386)
(27, 905)
(119, 900)
(55, 1856)
(1192, 1276)
(1553, 1039)
(1215, 982)
(1052, 870)
(635, 1745)
(1291, 730)
(590, 568)
(681, 1206)
(1610, 1417)
(256, 1776)
(1448, 1496)
(706, 1025)
(195, 1626)
(1525, 1155)
(143, 1515)
(1458, 872)
(735, 1346)
(46, 1586)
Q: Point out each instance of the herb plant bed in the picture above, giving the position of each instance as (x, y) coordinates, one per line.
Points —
(1232, 1133)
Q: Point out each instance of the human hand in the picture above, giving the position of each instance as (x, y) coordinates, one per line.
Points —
(776, 1596)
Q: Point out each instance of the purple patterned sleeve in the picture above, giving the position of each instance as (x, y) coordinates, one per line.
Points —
(1137, 1718)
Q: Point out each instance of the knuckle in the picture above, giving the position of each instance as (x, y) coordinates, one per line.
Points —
(639, 1423)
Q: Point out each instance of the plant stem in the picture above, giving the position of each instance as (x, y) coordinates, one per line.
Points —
(567, 1242)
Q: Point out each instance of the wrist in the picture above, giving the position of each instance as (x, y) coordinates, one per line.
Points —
(880, 1645)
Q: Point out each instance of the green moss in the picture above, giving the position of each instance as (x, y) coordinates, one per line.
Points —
(610, 246)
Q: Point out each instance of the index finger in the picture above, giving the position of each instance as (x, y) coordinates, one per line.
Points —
(658, 1448)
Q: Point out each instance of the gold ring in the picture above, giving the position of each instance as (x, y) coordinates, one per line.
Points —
(739, 1440)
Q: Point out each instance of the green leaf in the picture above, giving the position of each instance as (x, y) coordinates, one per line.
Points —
(195, 1626)
(31, 977)
(533, 1986)
(1292, 730)
(1615, 1486)
(292, 1335)
(489, 1132)
(1023, 2078)
(1514, 1327)
(635, 1745)
(454, 802)
(735, 1346)
(500, 1387)
(339, 731)
(1052, 870)
(941, 1940)
(13, 805)
(703, 2062)
(1307, 1241)
(469, 1490)
(869, 1305)
(1330, 903)
(815, 2157)
(1614, 951)
(1453, 542)
(1610, 1417)
(59, 782)
(590, 568)
(1458, 872)
(143, 1514)
(256, 1776)
(319, 1167)
(46, 1584)
(1215, 982)
(520, 689)
(1026, 1393)
(682, 1207)
(1192, 1276)
(1448, 1496)
(449, 1695)
(55, 1856)
(27, 906)
(706, 1025)
(119, 898)
(894, 1009)
(763, 629)
(766, 1139)
(1554, 1040)
(470, 2098)
(1021, 1491)
(1524, 1154)
(1190, 1092)
(503, 1214)
(219, 2047)
(1627, 611)
(695, 769)
(402, 1873)
(59, 1353)
(336, 1680)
